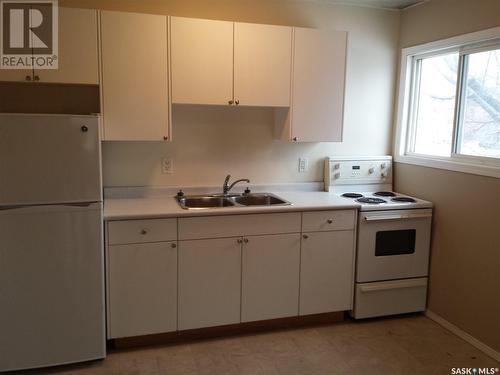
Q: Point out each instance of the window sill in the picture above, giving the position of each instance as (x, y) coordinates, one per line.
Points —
(450, 164)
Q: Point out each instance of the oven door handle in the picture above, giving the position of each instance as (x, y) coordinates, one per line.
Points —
(398, 217)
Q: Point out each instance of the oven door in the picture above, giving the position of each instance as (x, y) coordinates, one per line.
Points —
(393, 244)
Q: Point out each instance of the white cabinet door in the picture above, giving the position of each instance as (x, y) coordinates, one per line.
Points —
(326, 272)
(209, 282)
(78, 58)
(78, 52)
(270, 277)
(134, 76)
(318, 85)
(7, 75)
(202, 61)
(142, 287)
(262, 64)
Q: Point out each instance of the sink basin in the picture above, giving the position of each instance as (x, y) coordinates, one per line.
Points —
(204, 202)
(234, 200)
(259, 200)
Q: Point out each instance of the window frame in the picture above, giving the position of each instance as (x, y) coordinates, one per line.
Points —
(408, 94)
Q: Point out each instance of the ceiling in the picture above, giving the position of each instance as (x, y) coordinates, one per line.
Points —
(385, 4)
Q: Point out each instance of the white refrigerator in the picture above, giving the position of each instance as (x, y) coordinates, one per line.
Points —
(51, 241)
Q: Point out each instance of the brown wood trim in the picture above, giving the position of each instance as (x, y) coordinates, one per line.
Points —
(227, 330)
(38, 97)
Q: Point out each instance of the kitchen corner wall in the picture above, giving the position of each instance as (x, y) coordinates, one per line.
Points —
(210, 142)
(465, 262)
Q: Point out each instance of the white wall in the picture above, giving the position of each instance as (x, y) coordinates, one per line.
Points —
(211, 142)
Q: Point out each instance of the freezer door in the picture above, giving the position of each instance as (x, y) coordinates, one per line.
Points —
(49, 159)
(51, 286)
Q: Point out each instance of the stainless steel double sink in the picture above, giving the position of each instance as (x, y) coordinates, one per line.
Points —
(188, 202)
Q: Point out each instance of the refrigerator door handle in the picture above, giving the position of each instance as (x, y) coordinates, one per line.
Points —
(74, 204)
(79, 204)
(5, 208)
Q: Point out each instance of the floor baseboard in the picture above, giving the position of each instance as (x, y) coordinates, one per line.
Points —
(463, 335)
(226, 331)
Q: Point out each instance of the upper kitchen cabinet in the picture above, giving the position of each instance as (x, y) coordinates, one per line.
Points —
(201, 61)
(78, 52)
(318, 83)
(78, 57)
(220, 63)
(262, 64)
(134, 68)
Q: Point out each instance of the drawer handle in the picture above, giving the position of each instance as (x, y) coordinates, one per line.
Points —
(173, 246)
(144, 231)
(330, 221)
(305, 236)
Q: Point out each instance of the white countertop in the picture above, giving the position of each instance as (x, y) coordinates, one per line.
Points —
(120, 207)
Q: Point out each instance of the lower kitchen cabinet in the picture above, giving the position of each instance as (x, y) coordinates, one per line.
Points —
(326, 272)
(142, 289)
(270, 276)
(227, 269)
(209, 282)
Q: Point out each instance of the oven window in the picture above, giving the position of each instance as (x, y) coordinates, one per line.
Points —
(395, 242)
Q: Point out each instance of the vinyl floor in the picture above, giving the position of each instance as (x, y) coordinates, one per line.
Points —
(403, 345)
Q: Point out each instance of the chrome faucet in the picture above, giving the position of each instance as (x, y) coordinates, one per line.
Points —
(226, 187)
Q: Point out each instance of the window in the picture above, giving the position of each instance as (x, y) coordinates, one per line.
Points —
(449, 104)
(479, 123)
(435, 104)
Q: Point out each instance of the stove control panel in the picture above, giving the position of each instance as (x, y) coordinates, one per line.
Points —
(357, 170)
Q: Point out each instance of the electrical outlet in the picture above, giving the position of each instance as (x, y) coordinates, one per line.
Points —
(303, 165)
(167, 166)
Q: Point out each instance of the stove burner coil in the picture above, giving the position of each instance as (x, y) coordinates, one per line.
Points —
(385, 194)
(404, 199)
(371, 200)
(352, 195)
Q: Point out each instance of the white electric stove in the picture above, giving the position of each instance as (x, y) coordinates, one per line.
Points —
(393, 236)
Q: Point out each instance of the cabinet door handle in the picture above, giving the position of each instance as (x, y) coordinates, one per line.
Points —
(165, 137)
(28, 78)
(305, 236)
(144, 231)
(295, 139)
(329, 221)
(230, 102)
(37, 78)
(173, 246)
(245, 240)
(237, 102)
(239, 240)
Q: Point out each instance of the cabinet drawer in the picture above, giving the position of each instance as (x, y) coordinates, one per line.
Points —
(139, 231)
(390, 297)
(318, 221)
(238, 225)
